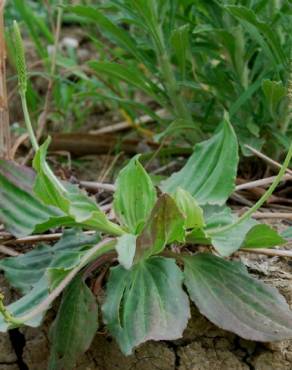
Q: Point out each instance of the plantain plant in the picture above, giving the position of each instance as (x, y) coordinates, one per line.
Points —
(151, 246)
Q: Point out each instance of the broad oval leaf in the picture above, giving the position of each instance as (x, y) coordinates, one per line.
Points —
(210, 172)
(20, 210)
(38, 293)
(25, 270)
(165, 225)
(135, 196)
(229, 241)
(146, 303)
(233, 300)
(74, 327)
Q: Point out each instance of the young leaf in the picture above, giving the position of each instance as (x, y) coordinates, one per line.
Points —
(146, 302)
(210, 172)
(262, 236)
(233, 300)
(135, 196)
(188, 206)
(72, 201)
(20, 210)
(126, 247)
(74, 327)
(165, 225)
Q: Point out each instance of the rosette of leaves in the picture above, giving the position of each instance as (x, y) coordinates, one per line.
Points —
(145, 294)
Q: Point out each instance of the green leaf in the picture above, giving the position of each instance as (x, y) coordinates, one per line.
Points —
(73, 202)
(135, 196)
(233, 300)
(217, 216)
(126, 247)
(165, 225)
(35, 25)
(61, 266)
(189, 207)
(20, 210)
(262, 236)
(244, 97)
(129, 74)
(29, 310)
(74, 327)
(261, 31)
(23, 305)
(177, 127)
(274, 92)
(229, 241)
(199, 236)
(146, 303)
(180, 44)
(27, 269)
(109, 28)
(210, 172)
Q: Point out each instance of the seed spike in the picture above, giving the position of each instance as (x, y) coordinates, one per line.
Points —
(20, 59)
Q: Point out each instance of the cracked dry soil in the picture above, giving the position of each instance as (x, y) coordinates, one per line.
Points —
(203, 347)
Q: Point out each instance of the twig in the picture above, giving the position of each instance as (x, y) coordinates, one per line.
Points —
(276, 215)
(5, 141)
(240, 199)
(96, 186)
(126, 125)
(107, 169)
(98, 263)
(39, 238)
(268, 252)
(164, 168)
(266, 158)
(8, 251)
(261, 182)
(19, 141)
